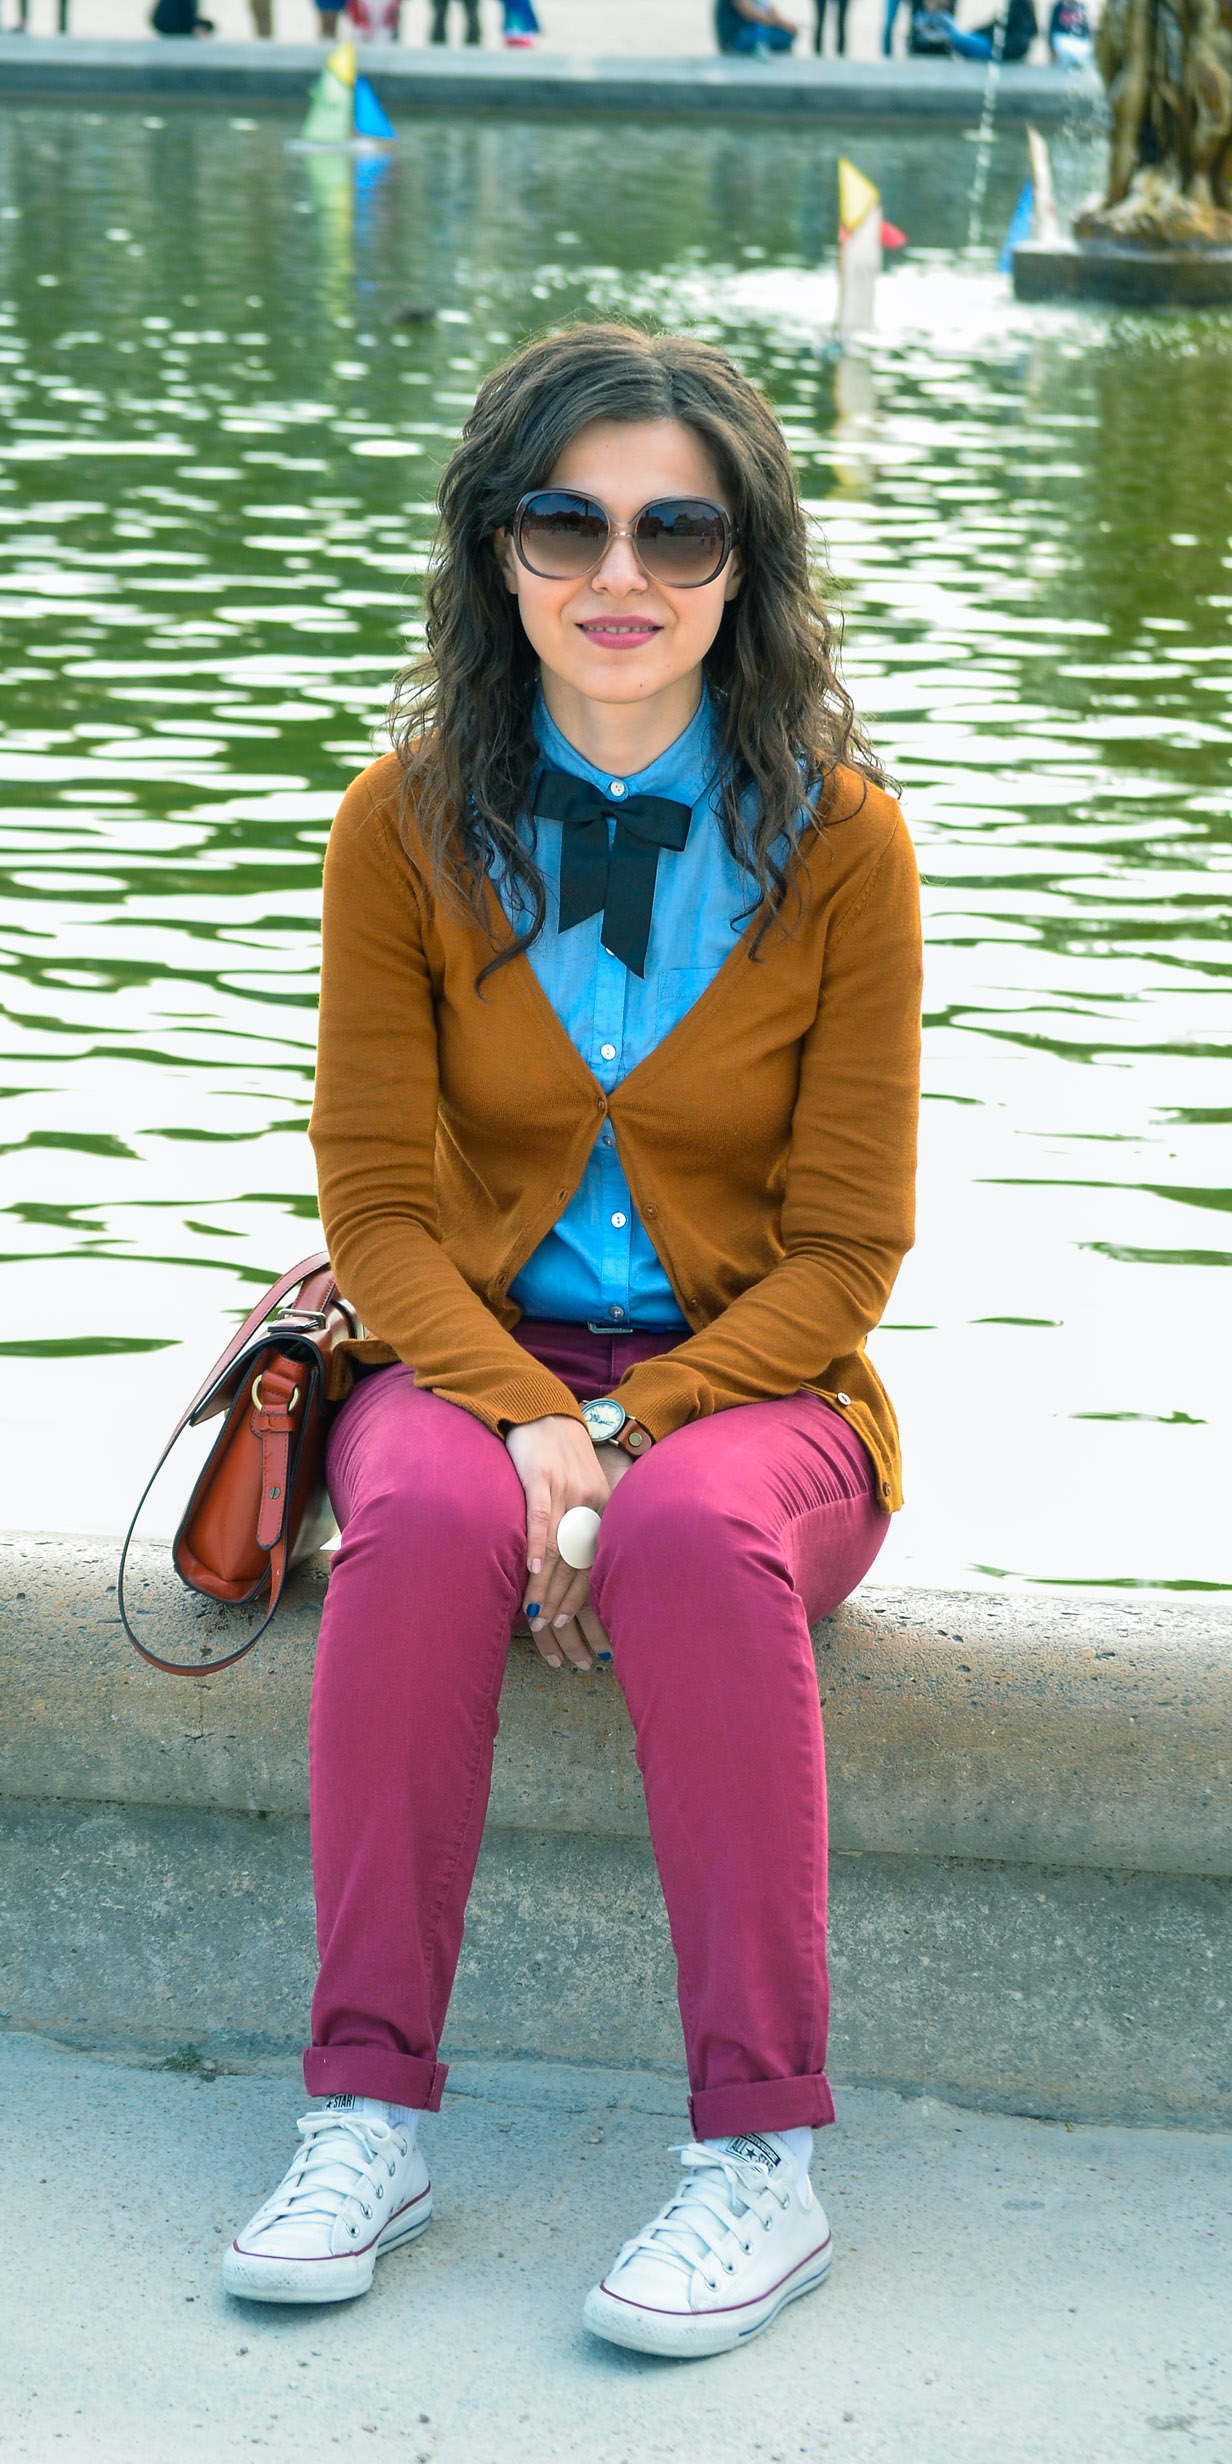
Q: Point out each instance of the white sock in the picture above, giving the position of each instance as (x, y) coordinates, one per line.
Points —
(801, 2144)
(406, 2117)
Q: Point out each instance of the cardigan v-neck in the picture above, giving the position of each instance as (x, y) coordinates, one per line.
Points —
(768, 1140)
(598, 1263)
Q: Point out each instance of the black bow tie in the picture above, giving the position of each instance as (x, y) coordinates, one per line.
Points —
(622, 885)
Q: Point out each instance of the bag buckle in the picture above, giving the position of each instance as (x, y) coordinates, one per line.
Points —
(299, 1318)
(258, 1405)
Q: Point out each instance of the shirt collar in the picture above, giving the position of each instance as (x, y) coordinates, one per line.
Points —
(683, 773)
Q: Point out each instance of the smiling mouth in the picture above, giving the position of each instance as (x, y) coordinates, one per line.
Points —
(637, 628)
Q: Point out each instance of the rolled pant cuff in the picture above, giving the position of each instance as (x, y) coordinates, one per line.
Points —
(372, 2070)
(761, 2104)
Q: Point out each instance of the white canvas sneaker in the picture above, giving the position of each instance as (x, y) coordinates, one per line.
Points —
(742, 2236)
(357, 2189)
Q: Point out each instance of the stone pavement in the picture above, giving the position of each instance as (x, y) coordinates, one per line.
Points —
(1004, 2291)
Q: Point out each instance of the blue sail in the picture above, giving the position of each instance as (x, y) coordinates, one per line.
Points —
(370, 119)
(1022, 226)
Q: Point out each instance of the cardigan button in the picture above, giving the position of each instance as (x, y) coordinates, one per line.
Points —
(843, 1399)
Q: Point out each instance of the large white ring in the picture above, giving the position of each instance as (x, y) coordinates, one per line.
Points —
(577, 1537)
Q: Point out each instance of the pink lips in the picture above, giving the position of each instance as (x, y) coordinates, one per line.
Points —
(619, 637)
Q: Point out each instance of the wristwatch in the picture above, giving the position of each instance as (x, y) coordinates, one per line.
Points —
(610, 1424)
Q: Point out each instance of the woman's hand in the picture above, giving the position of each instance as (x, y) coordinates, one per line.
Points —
(558, 1467)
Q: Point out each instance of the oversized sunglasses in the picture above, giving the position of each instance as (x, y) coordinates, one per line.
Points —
(684, 541)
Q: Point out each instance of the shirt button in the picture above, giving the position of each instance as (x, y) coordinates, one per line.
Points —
(616, 787)
(615, 1311)
(619, 1222)
(606, 1140)
(607, 1052)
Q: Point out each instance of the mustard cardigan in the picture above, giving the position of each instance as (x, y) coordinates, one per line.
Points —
(768, 1141)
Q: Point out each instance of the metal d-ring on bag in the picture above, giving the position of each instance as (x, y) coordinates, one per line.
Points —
(259, 1504)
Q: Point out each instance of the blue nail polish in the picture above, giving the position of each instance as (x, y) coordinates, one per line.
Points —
(531, 1609)
(604, 1658)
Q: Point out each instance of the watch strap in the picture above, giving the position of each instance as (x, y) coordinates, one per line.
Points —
(631, 1437)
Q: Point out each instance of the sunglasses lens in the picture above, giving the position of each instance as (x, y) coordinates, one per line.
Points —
(682, 539)
(561, 535)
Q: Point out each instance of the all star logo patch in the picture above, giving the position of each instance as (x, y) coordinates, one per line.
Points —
(340, 2104)
(755, 2151)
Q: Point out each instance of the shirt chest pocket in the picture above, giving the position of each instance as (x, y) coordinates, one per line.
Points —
(677, 990)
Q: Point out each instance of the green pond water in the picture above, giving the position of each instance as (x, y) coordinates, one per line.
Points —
(218, 452)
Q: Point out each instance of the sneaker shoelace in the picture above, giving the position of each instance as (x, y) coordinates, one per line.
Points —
(335, 2160)
(720, 2195)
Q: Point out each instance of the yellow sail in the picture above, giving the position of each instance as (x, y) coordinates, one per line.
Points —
(341, 63)
(857, 197)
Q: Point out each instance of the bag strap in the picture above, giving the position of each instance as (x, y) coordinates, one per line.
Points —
(279, 1550)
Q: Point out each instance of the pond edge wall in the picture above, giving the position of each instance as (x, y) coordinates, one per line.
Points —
(1031, 1846)
(68, 68)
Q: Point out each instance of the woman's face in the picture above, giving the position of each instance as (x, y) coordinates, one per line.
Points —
(617, 636)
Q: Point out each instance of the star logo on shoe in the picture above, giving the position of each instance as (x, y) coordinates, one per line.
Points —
(755, 2151)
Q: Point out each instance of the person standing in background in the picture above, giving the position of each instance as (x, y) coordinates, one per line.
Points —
(840, 27)
(521, 28)
(440, 13)
(374, 21)
(887, 31)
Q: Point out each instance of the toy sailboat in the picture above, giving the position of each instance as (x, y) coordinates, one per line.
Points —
(862, 234)
(343, 111)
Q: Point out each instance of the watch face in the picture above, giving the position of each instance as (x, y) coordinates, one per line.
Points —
(604, 1420)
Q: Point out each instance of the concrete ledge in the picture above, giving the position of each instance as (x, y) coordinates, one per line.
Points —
(64, 68)
(1034, 1728)
(1031, 1830)
(1100, 1997)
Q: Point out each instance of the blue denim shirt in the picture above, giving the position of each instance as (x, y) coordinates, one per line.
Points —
(598, 1266)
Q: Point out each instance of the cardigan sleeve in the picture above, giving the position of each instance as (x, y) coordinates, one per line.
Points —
(848, 1205)
(373, 1132)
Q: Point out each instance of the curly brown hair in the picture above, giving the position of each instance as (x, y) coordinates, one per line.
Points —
(462, 716)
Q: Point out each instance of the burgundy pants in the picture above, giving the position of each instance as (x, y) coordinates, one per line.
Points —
(717, 1549)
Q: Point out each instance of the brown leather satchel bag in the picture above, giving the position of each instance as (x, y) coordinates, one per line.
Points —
(259, 1504)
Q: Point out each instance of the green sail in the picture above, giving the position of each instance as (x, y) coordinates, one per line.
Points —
(331, 112)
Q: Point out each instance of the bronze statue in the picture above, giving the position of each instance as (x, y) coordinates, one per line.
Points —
(1167, 65)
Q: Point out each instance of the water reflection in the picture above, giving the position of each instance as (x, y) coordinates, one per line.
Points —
(216, 475)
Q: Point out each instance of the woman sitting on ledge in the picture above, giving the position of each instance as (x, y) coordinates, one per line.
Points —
(615, 1125)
